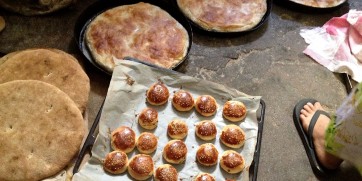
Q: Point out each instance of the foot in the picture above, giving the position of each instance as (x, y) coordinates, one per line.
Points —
(326, 159)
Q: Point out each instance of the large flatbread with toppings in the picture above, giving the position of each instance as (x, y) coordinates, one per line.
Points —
(142, 31)
(319, 3)
(224, 15)
(49, 65)
(41, 130)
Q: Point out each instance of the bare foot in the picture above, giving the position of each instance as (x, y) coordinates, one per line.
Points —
(326, 159)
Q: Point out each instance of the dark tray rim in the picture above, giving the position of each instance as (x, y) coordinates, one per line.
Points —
(307, 9)
(253, 171)
(102, 5)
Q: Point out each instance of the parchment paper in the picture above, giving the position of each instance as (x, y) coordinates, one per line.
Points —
(126, 98)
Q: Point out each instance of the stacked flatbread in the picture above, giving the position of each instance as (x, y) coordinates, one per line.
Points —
(43, 93)
(224, 15)
(320, 3)
(142, 31)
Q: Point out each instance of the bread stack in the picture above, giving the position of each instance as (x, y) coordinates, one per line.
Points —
(43, 94)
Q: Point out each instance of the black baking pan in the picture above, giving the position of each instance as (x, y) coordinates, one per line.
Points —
(218, 33)
(102, 5)
(306, 9)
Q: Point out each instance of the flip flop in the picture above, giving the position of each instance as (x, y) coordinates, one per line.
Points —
(307, 137)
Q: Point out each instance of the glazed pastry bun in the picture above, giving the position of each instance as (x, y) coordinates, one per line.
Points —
(146, 143)
(166, 172)
(148, 118)
(177, 129)
(206, 130)
(206, 105)
(140, 167)
(234, 111)
(232, 136)
(232, 162)
(116, 162)
(207, 154)
(175, 152)
(157, 94)
(123, 139)
(183, 101)
(204, 177)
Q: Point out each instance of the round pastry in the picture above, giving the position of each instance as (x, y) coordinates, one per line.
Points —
(175, 152)
(232, 162)
(232, 136)
(177, 129)
(166, 172)
(123, 139)
(206, 105)
(157, 94)
(234, 111)
(148, 118)
(206, 130)
(146, 143)
(204, 177)
(140, 167)
(207, 154)
(183, 101)
(116, 162)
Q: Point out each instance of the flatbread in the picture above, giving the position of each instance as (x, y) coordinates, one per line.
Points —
(41, 130)
(320, 3)
(31, 7)
(224, 15)
(142, 31)
(49, 65)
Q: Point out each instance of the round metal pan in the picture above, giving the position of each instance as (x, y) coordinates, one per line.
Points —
(102, 5)
(218, 33)
(304, 8)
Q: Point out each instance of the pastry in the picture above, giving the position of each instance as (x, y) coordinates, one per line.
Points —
(320, 3)
(183, 101)
(207, 154)
(234, 111)
(177, 129)
(204, 177)
(146, 143)
(224, 15)
(123, 139)
(116, 162)
(142, 31)
(232, 136)
(232, 162)
(175, 151)
(148, 118)
(51, 66)
(140, 167)
(41, 130)
(206, 105)
(157, 94)
(166, 172)
(206, 130)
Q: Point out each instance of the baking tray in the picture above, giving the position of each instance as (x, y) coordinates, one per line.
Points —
(253, 170)
(217, 33)
(102, 5)
(306, 9)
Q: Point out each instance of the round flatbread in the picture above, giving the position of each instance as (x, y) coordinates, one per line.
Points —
(41, 130)
(319, 3)
(142, 31)
(224, 15)
(51, 66)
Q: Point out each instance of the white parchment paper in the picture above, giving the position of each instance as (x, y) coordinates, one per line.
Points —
(126, 98)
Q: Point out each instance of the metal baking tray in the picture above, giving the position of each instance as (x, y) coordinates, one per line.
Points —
(253, 170)
(218, 33)
(100, 6)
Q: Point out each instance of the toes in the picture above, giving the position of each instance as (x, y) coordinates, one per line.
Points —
(308, 107)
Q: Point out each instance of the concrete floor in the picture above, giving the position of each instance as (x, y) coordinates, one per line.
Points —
(268, 62)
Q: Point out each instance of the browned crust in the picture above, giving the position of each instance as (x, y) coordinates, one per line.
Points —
(166, 172)
(141, 166)
(157, 94)
(123, 139)
(116, 162)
